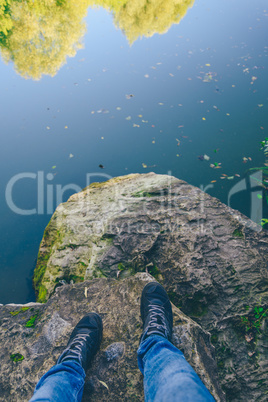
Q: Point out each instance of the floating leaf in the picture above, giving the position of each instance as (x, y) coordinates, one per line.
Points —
(144, 165)
(259, 196)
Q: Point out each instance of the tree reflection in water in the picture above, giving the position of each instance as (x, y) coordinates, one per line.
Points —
(39, 35)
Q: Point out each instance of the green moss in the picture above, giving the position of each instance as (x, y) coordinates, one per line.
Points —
(14, 313)
(42, 293)
(126, 269)
(121, 267)
(111, 181)
(31, 322)
(252, 321)
(40, 270)
(16, 357)
(238, 233)
(154, 271)
(143, 194)
(98, 184)
(76, 278)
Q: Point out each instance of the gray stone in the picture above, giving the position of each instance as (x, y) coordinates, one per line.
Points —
(115, 365)
(211, 259)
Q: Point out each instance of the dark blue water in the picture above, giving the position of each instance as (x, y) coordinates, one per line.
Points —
(193, 84)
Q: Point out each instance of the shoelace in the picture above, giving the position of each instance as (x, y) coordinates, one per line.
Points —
(156, 313)
(74, 350)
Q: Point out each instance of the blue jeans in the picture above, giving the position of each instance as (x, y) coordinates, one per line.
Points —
(63, 382)
(167, 377)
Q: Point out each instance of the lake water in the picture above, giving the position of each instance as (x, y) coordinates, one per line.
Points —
(164, 103)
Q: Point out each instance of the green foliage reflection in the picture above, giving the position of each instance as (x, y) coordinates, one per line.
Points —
(38, 35)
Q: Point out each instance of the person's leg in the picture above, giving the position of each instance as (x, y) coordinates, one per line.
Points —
(65, 381)
(167, 375)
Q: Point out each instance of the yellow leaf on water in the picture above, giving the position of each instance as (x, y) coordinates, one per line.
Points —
(203, 118)
(144, 166)
(208, 65)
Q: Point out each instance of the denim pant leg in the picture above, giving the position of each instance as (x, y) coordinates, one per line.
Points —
(167, 375)
(64, 382)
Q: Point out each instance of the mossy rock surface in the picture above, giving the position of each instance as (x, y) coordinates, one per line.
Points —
(28, 351)
(211, 259)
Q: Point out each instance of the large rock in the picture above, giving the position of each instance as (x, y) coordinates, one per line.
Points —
(114, 375)
(211, 259)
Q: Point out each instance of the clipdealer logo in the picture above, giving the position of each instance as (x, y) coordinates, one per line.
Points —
(47, 193)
